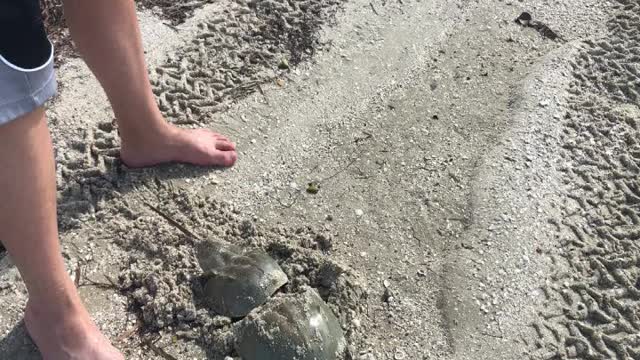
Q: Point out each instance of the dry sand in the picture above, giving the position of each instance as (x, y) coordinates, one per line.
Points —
(478, 192)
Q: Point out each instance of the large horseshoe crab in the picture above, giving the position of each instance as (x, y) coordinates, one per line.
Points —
(295, 326)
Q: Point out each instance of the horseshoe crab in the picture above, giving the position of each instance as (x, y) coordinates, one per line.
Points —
(238, 280)
(294, 326)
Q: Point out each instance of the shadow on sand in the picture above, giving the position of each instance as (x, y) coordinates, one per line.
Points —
(17, 345)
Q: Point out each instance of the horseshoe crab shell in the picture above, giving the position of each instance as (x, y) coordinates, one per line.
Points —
(238, 280)
(294, 327)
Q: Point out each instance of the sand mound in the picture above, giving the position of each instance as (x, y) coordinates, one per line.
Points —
(165, 283)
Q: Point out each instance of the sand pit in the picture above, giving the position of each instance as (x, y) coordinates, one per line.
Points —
(434, 179)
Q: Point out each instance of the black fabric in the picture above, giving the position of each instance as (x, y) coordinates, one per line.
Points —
(23, 40)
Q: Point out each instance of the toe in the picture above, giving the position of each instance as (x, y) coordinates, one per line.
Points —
(225, 145)
(219, 136)
(225, 158)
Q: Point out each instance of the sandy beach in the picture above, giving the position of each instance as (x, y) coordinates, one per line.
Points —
(454, 184)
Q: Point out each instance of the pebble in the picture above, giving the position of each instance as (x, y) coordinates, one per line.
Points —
(356, 323)
(359, 212)
(400, 355)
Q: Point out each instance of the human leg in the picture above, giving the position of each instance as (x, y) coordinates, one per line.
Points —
(55, 316)
(107, 35)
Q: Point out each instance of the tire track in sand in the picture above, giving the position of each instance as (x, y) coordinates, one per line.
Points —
(593, 307)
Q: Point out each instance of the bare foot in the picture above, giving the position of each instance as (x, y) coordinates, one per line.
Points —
(67, 336)
(172, 144)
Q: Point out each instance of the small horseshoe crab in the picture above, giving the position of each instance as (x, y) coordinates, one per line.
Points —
(237, 280)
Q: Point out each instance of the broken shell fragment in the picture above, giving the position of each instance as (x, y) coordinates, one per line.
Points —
(295, 326)
(238, 280)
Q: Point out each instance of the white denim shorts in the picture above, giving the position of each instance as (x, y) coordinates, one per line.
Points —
(24, 90)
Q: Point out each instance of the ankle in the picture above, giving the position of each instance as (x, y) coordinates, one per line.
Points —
(56, 306)
(146, 127)
(66, 314)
